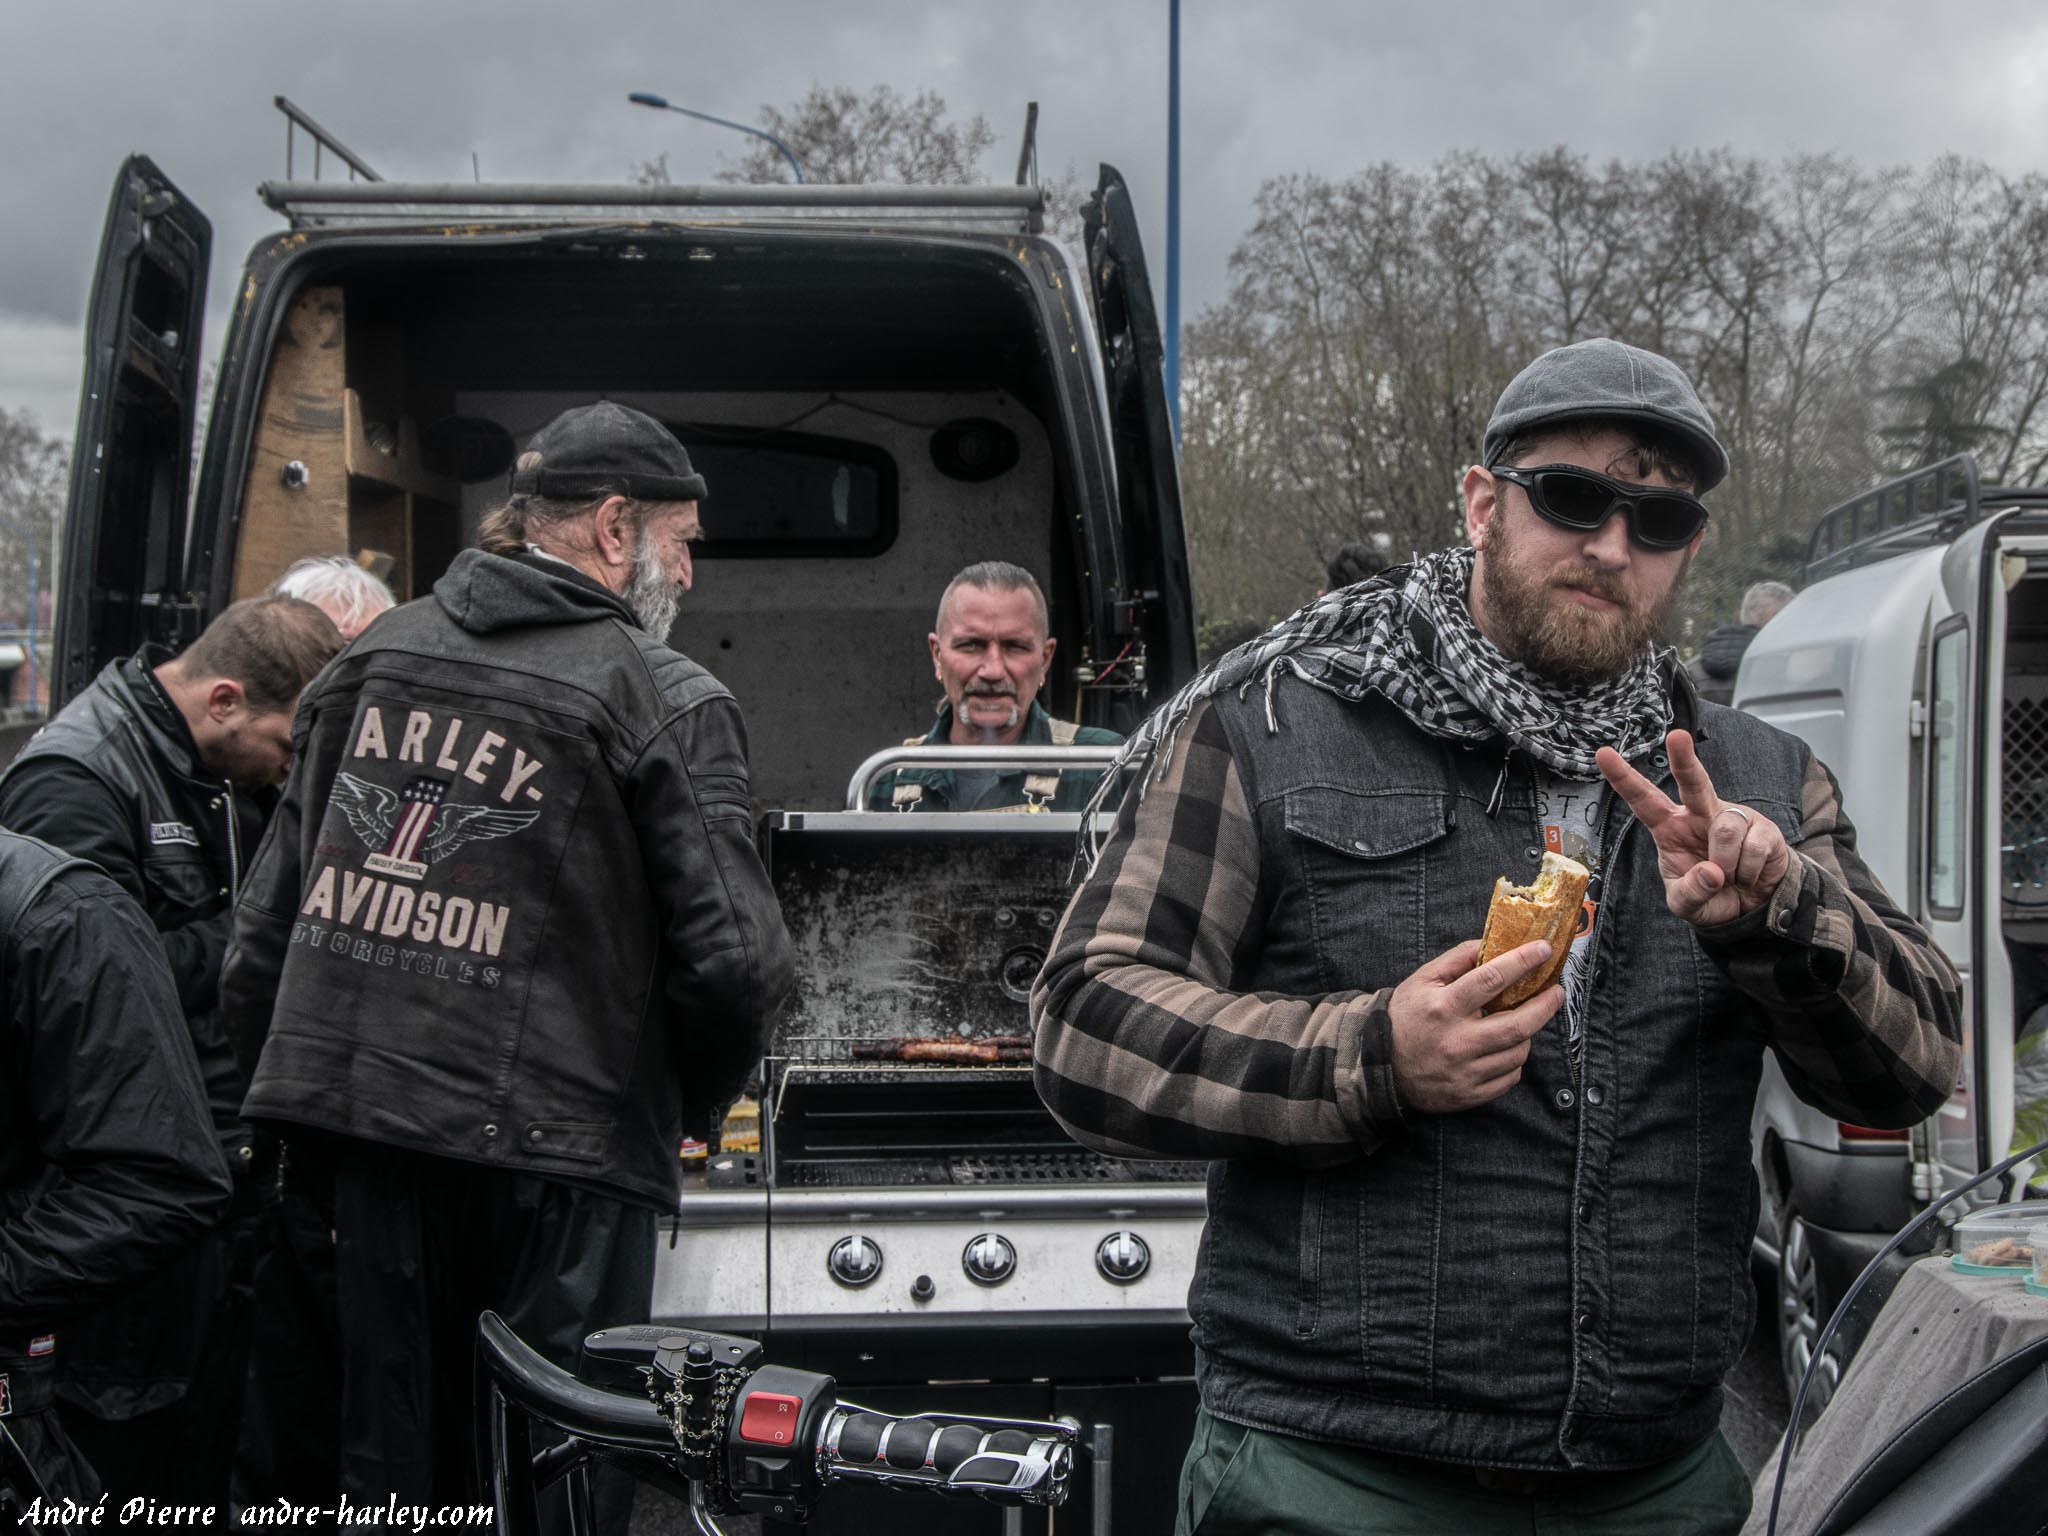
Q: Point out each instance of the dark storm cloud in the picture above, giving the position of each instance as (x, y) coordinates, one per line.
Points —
(537, 92)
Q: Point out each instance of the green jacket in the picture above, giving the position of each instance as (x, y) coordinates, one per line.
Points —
(936, 785)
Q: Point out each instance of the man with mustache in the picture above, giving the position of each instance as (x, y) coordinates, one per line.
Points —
(508, 940)
(991, 649)
(1470, 1270)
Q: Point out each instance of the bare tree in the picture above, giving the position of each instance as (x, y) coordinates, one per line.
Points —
(34, 474)
(846, 139)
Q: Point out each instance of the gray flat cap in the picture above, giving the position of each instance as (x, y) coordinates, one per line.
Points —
(1603, 377)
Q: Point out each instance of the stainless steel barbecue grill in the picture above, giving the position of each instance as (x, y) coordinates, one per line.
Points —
(906, 1215)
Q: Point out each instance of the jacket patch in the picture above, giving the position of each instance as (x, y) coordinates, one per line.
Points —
(6, 1396)
(416, 827)
(42, 1344)
(162, 832)
(480, 760)
(383, 910)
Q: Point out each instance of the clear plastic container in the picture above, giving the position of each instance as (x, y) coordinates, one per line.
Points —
(2037, 1282)
(1999, 1240)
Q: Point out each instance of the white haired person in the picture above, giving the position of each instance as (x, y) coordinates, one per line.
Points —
(1720, 658)
(339, 588)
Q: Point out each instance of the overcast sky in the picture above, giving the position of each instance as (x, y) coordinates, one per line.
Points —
(537, 92)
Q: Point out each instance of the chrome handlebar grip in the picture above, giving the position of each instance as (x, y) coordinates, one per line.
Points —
(1002, 1461)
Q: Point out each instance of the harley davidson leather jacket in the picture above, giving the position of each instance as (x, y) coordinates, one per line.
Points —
(510, 909)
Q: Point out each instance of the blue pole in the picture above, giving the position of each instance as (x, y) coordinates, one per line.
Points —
(1173, 215)
(31, 647)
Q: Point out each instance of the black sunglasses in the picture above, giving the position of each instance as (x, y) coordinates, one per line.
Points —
(1578, 498)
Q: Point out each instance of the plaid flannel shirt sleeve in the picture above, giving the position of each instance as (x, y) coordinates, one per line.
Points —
(1864, 1011)
(1146, 1040)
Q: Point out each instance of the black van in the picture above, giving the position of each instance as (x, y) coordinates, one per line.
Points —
(881, 385)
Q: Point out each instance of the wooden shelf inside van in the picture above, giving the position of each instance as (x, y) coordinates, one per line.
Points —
(400, 468)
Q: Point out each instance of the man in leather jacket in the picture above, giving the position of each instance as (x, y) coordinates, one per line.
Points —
(157, 773)
(508, 940)
(1469, 1268)
(108, 1162)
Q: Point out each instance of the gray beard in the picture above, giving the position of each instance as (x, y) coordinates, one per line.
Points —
(653, 597)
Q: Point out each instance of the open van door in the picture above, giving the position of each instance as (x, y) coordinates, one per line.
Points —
(1141, 431)
(1960, 865)
(124, 532)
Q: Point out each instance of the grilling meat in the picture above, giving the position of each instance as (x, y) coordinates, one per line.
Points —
(956, 1050)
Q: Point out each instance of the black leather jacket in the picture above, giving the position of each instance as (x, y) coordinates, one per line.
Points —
(106, 1163)
(510, 909)
(115, 779)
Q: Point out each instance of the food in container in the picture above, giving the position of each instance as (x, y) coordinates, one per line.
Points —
(1999, 1240)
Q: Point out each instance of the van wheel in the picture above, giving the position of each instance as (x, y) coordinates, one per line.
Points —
(1803, 1310)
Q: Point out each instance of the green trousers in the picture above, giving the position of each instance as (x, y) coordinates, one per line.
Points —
(1248, 1482)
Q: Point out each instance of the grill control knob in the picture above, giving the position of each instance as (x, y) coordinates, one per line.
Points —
(1123, 1257)
(854, 1261)
(988, 1259)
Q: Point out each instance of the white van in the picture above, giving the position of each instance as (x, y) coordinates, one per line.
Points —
(1915, 664)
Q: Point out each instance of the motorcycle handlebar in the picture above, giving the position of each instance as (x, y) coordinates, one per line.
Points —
(1001, 1461)
(702, 1414)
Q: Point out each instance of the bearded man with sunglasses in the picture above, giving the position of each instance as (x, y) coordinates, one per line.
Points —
(1470, 1270)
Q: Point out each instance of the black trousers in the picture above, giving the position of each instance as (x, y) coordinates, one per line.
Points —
(423, 1244)
(291, 1399)
(150, 1387)
(56, 1469)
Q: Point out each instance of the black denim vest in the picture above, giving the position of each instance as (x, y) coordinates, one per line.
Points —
(1560, 1277)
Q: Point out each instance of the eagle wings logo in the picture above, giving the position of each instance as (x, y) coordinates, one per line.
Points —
(414, 828)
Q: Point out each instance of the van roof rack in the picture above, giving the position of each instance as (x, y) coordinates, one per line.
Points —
(1913, 511)
(1928, 506)
(367, 204)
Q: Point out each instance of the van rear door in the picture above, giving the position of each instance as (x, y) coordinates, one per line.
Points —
(124, 534)
(1961, 866)
(1141, 429)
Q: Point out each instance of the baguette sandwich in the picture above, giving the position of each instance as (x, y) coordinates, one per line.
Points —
(1547, 908)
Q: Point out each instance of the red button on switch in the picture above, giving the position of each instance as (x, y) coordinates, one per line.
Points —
(770, 1418)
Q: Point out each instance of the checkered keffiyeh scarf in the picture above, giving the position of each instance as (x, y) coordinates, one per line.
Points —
(1407, 634)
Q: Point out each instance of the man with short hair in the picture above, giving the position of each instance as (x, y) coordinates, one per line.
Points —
(509, 939)
(991, 648)
(146, 774)
(1720, 658)
(343, 590)
(1468, 1267)
(108, 1161)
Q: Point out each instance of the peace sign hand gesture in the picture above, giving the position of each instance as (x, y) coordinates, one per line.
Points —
(1718, 860)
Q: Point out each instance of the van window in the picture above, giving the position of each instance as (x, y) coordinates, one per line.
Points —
(783, 494)
(1947, 793)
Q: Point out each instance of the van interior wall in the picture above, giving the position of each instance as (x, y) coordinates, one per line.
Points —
(868, 343)
(827, 653)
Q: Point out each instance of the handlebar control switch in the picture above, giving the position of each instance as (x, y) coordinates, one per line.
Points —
(1123, 1258)
(854, 1261)
(989, 1259)
(771, 1446)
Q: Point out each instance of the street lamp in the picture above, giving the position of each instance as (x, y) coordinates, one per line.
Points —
(649, 99)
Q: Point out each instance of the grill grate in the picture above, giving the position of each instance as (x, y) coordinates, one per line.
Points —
(1008, 1170)
(1034, 1168)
